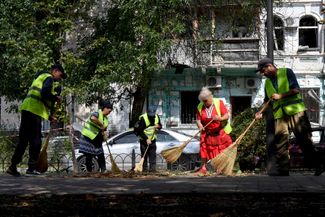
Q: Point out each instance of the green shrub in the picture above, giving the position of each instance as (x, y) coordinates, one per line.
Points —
(252, 148)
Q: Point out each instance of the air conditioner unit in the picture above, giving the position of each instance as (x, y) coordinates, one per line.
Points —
(213, 81)
(251, 83)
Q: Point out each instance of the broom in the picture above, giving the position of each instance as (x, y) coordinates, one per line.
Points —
(114, 168)
(225, 160)
(42, 162)
(139, 166)
(172, 154)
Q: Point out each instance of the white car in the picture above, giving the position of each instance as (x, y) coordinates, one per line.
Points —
(125, 149)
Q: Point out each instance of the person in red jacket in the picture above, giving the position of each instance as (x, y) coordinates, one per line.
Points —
(214, 137)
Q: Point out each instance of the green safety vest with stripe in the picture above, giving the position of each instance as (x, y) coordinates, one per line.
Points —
(289, 105)
(150, 130)
(34, 102)
(91, 129)
(226, 125)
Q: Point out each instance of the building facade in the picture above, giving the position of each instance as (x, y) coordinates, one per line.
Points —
(229, 57)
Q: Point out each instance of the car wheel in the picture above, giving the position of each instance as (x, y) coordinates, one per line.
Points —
(82, 164)
(182, 164)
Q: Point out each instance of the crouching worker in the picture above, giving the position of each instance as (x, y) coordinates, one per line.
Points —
(93, 135)
(215, 137)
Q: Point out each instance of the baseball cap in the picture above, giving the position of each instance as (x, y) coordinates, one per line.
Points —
(151, 111)
(262, 63)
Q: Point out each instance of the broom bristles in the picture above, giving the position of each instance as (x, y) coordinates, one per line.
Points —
(114, 168)
(172, 154)
(139, 166)
(42, 162)
(225, 160)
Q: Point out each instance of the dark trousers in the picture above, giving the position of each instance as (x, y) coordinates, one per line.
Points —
(100, 160)
(30, 134)
(300, 126)
(151, 154)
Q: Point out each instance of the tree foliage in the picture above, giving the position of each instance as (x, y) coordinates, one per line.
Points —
(33, 35)
(109, 51)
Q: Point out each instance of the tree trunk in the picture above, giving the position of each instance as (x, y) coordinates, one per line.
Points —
(139, 98)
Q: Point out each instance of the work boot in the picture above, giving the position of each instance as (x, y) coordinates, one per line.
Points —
(13, 171)
(33, 172)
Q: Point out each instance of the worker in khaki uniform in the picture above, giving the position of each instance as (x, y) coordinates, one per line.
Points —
(36, 106)
(289, 114)
(149, 123)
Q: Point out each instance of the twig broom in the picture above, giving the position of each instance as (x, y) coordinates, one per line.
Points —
(172, 154)
(42, 162)
(225, 160)
(115, 168)
(139, 166)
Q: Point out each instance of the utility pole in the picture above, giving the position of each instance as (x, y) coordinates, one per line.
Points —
(269, 22)
(271, 164)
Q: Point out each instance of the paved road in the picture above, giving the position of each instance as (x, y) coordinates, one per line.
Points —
(153, 185)
(250, 195)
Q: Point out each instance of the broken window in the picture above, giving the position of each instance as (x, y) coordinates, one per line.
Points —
(308, 31)
(278, 34)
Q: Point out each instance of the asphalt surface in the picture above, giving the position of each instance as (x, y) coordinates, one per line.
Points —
(300, 194)
(150, 184)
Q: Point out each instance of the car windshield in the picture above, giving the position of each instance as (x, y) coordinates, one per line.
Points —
(129, 137)
(164, 137)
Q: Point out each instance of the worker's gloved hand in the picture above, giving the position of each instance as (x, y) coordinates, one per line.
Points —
(149, 142)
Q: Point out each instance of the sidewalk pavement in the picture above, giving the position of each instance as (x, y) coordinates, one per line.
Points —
(153, 185)
(250, 195)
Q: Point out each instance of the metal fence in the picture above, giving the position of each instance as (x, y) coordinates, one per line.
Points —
(63, 162)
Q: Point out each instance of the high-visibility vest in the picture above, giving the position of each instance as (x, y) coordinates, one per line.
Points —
(91, 129)
(34, 102)
(150, 130)
(216, 102)
(289, 105)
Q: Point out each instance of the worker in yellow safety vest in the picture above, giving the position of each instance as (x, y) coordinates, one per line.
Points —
(93, 134)
(215, 136)
(37, 106)
(289, 112)
(149, 123)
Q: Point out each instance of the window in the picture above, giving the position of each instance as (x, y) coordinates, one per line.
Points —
(308, 31)
(189, 102)
(278, 34)
(311, 105)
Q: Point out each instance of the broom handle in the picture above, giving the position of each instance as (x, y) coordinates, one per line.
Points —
(145, 152)
(198, 132)
(252, 123)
